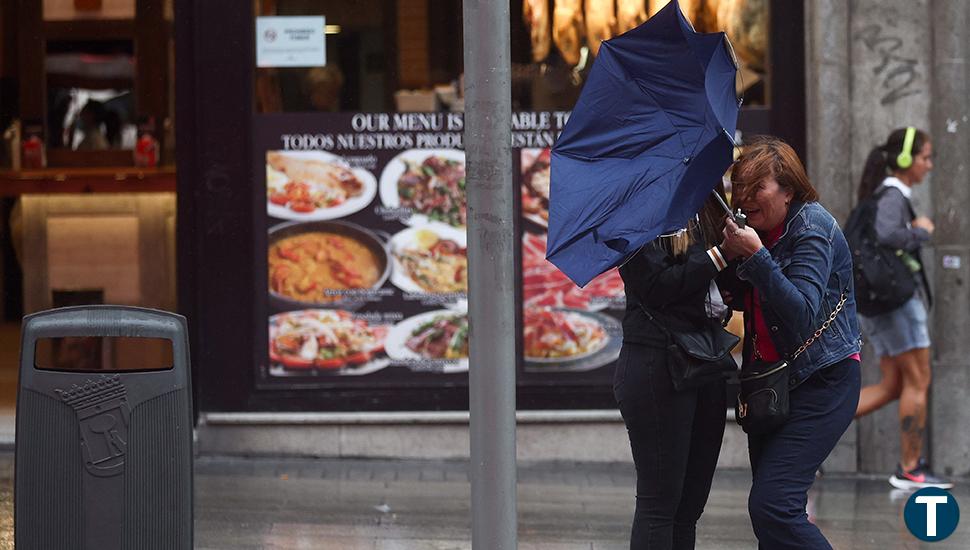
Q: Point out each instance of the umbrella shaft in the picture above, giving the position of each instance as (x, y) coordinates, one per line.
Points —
(739, 217)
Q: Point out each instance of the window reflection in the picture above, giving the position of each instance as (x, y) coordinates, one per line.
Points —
(90, 104)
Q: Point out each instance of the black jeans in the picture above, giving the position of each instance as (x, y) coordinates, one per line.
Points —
(784, 462)
(675, 438)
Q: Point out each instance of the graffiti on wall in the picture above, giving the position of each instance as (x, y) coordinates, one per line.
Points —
(899, 74)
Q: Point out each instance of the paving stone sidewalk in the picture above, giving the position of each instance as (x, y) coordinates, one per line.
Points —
(383, 505)
(311, 504)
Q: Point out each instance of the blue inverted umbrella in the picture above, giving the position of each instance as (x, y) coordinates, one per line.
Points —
(648, 140)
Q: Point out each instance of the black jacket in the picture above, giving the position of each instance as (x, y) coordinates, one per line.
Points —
(673, 289)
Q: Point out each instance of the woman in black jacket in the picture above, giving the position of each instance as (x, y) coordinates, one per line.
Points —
(675, 436)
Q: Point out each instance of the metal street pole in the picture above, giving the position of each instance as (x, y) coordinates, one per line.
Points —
(491, 273)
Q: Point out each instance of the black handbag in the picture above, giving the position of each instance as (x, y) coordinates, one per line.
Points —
(697, 357)
(763, 401)
(762, 404)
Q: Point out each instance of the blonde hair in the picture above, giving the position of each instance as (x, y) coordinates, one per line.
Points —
(677, 243)
(704, 228)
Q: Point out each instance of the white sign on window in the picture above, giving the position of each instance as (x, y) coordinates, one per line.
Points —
(291, 42)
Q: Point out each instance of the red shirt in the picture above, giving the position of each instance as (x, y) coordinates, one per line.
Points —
(763, 347)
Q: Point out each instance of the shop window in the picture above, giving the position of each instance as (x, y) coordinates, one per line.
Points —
(555, 42)
(354, 72)
(93, 83)
(407, 55)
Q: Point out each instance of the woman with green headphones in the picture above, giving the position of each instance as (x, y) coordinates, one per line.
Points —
(900, 337)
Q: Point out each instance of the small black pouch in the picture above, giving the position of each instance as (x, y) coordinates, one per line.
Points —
(762, 404)
(699, 356)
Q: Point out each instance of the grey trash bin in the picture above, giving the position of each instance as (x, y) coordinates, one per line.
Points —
(104, 431)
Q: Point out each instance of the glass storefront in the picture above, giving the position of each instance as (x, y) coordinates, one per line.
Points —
(406, 55)
(87, 162)
(359, 167)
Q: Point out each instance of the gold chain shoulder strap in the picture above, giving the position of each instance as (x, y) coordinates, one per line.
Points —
(821, 329)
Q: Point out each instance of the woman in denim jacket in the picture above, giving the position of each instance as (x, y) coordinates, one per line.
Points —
(793, 268)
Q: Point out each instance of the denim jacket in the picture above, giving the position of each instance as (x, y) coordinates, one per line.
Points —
(800, 281)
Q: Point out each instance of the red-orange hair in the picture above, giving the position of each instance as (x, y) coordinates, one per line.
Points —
(769, 157)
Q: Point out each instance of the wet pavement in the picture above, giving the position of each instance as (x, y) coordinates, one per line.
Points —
(261, 503)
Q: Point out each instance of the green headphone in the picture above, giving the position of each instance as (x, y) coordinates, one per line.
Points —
(905, 158)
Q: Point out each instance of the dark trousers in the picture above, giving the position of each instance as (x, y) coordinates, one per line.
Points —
(675, 438)
(784, 462)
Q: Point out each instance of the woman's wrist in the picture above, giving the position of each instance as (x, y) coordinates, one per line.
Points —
(751, 251)
(727, 252)
(718, 257)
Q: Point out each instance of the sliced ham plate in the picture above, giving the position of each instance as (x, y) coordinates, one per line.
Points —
(544, 285)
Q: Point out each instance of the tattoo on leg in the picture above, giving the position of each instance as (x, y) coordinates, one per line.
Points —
(913, 429)
(907, 423)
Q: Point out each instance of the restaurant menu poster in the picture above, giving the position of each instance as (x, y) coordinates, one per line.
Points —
(366, 258)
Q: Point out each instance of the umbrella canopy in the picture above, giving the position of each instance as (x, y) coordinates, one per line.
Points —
(649, 138)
